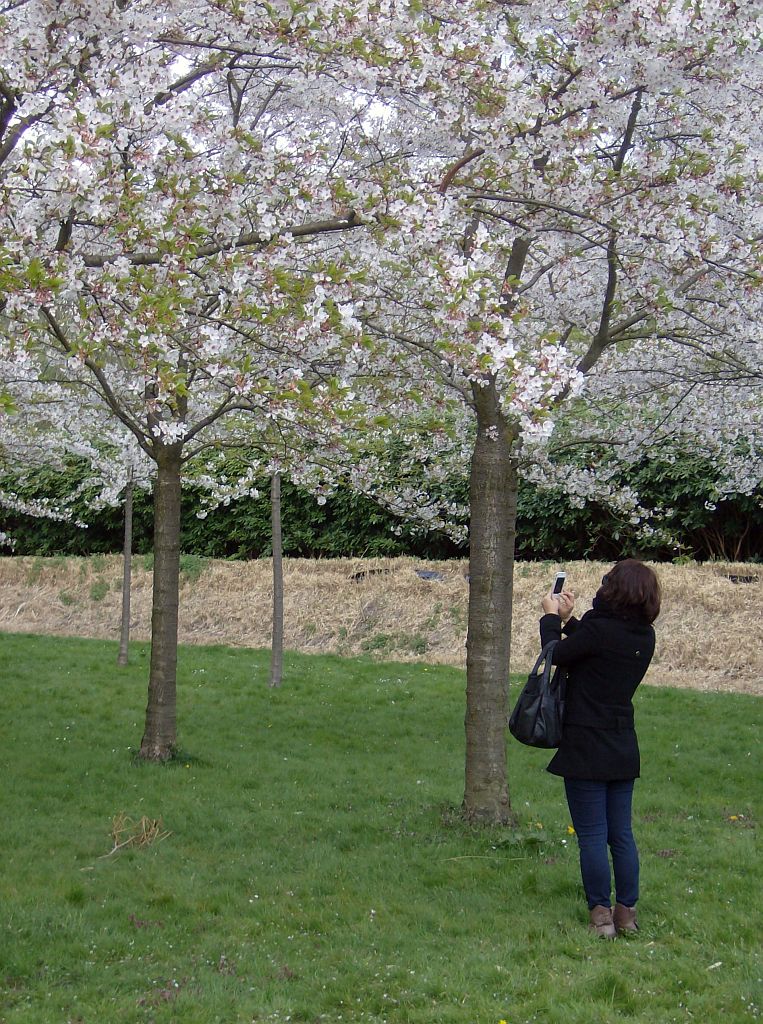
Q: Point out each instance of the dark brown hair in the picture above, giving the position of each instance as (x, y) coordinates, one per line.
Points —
(631, 588)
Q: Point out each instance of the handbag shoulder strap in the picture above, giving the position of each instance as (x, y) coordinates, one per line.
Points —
(545, 655)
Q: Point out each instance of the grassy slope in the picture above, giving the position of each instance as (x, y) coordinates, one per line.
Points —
(316, 870)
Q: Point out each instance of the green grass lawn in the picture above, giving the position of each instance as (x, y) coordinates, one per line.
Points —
(316, 868)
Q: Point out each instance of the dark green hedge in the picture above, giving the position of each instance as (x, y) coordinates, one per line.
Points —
(347, 525)
(350, 525)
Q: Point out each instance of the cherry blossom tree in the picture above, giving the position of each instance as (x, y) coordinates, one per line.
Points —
(579, 236)
(163, 170)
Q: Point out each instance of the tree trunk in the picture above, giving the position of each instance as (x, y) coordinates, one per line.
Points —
(493, 498)
(124, 633)
(276, 654)
(159, 737)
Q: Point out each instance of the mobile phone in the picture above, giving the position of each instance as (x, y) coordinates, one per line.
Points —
(559, 583)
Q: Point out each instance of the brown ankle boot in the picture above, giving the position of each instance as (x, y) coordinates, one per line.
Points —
(601, 922)
(624, 919)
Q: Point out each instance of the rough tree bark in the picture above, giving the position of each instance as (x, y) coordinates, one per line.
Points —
(124, 632)
(493, 492)
(160, 731)
(493, 498)
(276, 653)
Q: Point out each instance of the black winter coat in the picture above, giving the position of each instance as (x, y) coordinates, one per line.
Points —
(606, 657)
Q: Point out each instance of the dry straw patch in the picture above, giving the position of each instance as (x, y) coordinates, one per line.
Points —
(127, 832)
(707, 632)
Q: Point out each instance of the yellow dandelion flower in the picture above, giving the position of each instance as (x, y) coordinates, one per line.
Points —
(570, 830)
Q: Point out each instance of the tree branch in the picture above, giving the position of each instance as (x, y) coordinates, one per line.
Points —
(453, 171)
(111, 400)
(14, 137)
(603, 337)
(519, 250)
(250, 239)
(184, 83)
(536, 204)
(225, 406)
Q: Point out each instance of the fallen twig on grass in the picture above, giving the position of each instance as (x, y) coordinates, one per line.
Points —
(138, 833)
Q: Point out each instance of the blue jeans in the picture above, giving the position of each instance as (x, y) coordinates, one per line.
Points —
(601, 817)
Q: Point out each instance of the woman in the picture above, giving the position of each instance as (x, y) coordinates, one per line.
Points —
(606, 655)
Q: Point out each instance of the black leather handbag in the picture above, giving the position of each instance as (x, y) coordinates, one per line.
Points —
(538, 715)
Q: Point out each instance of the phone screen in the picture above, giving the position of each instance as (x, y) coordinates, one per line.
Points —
(559, 583)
